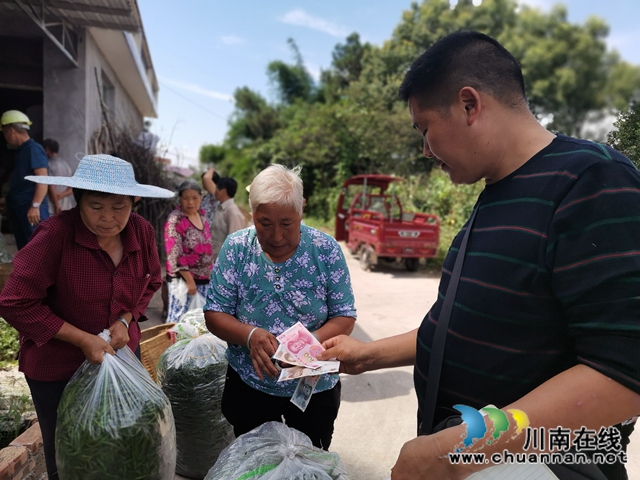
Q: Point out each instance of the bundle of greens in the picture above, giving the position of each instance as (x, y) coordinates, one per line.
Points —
(192, 374)
(115, 423)
(274, 451)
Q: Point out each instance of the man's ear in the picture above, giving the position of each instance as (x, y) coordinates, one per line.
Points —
(470, 99)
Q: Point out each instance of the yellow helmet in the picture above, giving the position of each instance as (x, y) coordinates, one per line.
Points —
(15, 117)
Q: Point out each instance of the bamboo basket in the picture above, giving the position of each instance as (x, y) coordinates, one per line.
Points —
(153, 342)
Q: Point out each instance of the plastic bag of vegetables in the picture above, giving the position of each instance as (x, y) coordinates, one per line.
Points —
(192, 374)
(274, 451)
(114, 423)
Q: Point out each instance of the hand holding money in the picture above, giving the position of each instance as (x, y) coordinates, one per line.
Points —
(299, 348)
(303, 347)
(263, 345)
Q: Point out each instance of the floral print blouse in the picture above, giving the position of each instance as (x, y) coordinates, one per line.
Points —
(311, 287)
(188, 248)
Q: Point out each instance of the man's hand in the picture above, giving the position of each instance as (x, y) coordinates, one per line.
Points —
(263, 345)
(94, 348)
(33, 216)
(119, 335)
(348, 350)
(425, 458)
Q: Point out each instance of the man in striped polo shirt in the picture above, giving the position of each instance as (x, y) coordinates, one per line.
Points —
(546, 315)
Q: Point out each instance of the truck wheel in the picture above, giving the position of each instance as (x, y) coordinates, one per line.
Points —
(365, 258)
(411, 264)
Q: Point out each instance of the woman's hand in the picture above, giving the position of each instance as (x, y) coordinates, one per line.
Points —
(191, 287)
(94, 348)
(263, 345)
(119, 335)
(349, 351)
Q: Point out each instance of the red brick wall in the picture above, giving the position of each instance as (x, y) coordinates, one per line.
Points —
(23, 459)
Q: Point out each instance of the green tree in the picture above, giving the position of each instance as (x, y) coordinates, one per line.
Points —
(567, 70)
(212, 154)
(352, 121)
(564, 65)
(252, 120)
(292, 81)
(626, 138)
(346, 68)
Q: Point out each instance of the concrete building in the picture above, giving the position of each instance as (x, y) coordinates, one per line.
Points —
(67, 64)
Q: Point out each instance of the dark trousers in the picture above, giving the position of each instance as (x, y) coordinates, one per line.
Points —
(246, 408)
(46, 397)
(20, 226)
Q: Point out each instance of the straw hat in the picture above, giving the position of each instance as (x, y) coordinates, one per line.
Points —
(104, 173)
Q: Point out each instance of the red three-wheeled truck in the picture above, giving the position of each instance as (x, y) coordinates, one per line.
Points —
(374, 226)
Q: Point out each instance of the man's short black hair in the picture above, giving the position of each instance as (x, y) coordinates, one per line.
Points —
(462, 59)
(51, 144)
(228, 184)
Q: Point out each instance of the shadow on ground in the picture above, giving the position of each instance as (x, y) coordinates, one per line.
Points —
(376, 385)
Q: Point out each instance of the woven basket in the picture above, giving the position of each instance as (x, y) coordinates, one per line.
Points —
(153, 342)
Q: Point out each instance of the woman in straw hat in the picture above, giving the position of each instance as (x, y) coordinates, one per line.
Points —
(87, 269)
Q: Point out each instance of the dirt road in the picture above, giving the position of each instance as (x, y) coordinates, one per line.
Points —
(378, 409)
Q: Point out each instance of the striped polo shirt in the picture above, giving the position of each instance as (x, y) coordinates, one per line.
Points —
(551, 279)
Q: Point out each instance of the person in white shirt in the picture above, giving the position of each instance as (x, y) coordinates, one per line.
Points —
(228, 217)
(60, 197)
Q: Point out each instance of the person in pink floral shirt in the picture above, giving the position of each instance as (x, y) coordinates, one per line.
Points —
(187, 239)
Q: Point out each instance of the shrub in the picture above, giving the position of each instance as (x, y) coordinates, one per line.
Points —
(626, 138)
(9, 344)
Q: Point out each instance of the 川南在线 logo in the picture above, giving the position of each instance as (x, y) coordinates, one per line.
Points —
(476, 428)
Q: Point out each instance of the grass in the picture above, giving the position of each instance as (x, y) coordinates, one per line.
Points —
(326, 226)
(9, 345)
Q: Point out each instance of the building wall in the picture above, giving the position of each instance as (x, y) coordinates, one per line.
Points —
(126, 115)
(71, 110)
(65, 102)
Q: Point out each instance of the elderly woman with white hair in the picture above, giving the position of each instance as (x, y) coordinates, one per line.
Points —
(266, 279)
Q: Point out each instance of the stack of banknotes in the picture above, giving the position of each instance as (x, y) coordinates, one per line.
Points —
(298, 350)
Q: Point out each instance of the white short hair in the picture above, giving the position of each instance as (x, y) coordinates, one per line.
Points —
(278, 185)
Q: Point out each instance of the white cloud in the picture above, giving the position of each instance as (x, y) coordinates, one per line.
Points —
(232, 40)
(303, 19)
(191, 87)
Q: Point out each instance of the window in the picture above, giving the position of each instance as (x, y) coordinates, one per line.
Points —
(108, 94)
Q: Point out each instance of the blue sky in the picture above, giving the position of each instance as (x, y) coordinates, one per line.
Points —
(202, 50)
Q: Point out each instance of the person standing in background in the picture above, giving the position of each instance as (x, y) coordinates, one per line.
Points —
(228, 217)
(60, 197)
(26, 201)
(187, 238)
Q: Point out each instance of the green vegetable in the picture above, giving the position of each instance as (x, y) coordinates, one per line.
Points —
(114, 423)
(192, 374)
